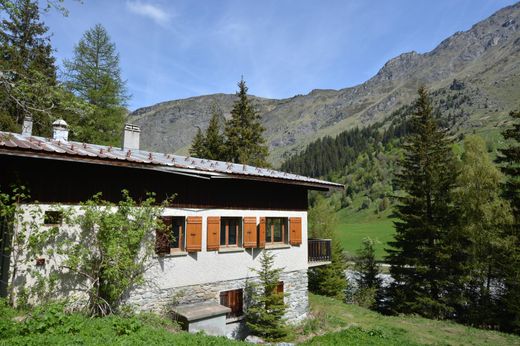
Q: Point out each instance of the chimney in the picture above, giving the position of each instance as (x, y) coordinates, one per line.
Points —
(60, 130)
(27, 126)
(131, 137)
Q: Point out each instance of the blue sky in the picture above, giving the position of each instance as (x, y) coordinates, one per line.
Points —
(178, 49)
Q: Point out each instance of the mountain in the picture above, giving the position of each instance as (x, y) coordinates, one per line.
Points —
(482, 62)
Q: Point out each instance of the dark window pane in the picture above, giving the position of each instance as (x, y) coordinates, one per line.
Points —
(277, 223)
(233, 232)
(53, 217)
(223, 227)
(177, 225)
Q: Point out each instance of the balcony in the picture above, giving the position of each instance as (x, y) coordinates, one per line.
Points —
(319, 252)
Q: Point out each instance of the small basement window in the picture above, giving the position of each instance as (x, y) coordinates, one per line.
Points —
(276, 230)
(53, 217)
(230, 231)
(233, 299)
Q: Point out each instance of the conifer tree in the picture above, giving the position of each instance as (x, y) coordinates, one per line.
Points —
(367, 271)
(244, 133)
(266, 307)
(94, 76)
(482, 215)
(509, 160)
(28, 72)
(425, 269)
(198, 148)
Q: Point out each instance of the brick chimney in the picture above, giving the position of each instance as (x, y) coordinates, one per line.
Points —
(131, 137)
(60, 130)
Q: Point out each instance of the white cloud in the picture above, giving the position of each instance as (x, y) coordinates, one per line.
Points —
(154, 12)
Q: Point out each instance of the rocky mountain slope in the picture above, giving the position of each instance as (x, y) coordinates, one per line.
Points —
(485, 60)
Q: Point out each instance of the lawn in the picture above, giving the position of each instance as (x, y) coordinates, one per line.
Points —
(353, 227)
(346, 324)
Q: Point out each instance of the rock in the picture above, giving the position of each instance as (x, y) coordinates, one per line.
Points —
(254, 339)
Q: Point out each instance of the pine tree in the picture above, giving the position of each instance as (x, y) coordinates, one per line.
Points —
(27, 65)
(509, 160)
(95, 77)
(425, 269)
(266, 307)
(244, 133)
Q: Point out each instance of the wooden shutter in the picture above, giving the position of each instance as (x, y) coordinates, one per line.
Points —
(162, 240)
(261, 233)
(296, 230)
(193, 233)
(213, 238)
(279, 287)
(250, 240)
(233, 300)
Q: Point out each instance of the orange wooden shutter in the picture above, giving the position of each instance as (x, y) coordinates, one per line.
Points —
(261, 233)
(250, 232)
(193, 233)
(296, 230)
(213, 239)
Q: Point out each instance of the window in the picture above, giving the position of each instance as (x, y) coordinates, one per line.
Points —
(234, 300)
(276, 230)
(230, 231)
(52, 217)
(178, 233)
(173, 238)
(279, 287)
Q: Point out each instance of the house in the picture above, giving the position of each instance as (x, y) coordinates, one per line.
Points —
(223, 217)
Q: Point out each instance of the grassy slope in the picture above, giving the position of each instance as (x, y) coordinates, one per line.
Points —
(371, 328)
(352, 227)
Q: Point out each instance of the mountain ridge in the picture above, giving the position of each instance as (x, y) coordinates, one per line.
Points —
(485, 57)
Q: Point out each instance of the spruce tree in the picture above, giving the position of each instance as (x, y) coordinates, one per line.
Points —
(94, 76)
(424, 266)
(367, 271)
(266, 307)
(198, 148)
(214, 138)
(509, 160)
(244, 133)
(27, 65)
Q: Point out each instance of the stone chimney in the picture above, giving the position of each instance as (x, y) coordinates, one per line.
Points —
(60, 130)
(27, 126)
(131, 137)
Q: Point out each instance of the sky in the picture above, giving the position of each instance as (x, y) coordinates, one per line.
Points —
(173, 49)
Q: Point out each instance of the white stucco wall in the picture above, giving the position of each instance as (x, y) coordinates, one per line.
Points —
(192, 269)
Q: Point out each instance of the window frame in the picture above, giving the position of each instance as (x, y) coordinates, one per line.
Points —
(239, 230)
(182, 233)
(269, 231)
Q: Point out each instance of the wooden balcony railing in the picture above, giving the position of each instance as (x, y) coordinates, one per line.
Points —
(319, 250)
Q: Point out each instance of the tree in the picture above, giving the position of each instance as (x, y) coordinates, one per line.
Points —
(367, 271)
(482, 214)
(424, 266)
(509, 160)
(266, 308)
(244, 133)
(28, 73)
(211, 145)
(95, 77)
(328, 280)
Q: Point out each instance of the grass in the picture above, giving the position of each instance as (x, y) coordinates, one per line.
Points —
(353, 227)
(345, 324)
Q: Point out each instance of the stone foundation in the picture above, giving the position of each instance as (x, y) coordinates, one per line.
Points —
(150, 298)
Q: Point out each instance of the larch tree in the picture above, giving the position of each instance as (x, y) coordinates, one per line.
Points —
(483, 213)
(244, 134)
(509, 160)
(94, 75)
(423, 264)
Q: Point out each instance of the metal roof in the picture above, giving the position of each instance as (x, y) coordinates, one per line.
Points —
(23, 145)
